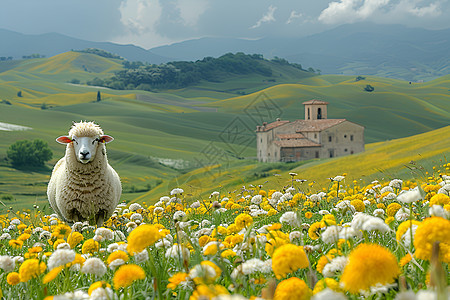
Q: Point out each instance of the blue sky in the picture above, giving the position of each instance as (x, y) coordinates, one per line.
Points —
(150, 23)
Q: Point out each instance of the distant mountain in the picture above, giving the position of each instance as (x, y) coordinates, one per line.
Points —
(392, 51)
(17, 45)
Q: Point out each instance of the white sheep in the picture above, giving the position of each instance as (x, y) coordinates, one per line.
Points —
(83, 185)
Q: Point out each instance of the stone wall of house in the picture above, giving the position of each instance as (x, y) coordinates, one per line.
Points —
(343, 139)
(297, 154)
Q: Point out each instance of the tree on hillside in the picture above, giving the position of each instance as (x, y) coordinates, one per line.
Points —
(99, 96)
(29, 154)
(369, 88)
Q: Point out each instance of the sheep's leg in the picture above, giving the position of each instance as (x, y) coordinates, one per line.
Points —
(100, 218)
(75, 218)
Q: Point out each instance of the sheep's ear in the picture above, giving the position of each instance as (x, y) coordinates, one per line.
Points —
(64, 140)
(106, 139)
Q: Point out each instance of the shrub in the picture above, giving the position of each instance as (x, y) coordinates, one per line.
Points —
(29, 154)
(369, 88)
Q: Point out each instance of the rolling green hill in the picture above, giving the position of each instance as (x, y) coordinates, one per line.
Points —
(166, 139)
(407, 158)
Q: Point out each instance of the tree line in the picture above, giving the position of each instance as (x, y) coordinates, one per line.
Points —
(178, 74)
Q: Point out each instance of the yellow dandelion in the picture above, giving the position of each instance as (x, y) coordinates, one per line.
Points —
(273, 244)
(228, 253)
(232, 228)
(236, 239)
(308, 215)
(439, 199)
(142, 237)
(119, 254)
(328, 220)
(78, 260)
(368, 265)
(404, 260)
(292, 289)
(389, 220)
(52, 274)
(13, 278)
(15, 244)
(23, 237)
(203, 291)
(212, 249)
(74, 239)
(90, 246)
(287, 259)
(243, 221)
(429, 231)
(31, 268)
(358, 204)
(61, 231)
(272, 212)
(176, 279)
(126, 275)
(392, 209)
(203, 240)
(330, 283)
(314, 230)
(21, 227)
(98, 284)
(403, 227)
(57, 242)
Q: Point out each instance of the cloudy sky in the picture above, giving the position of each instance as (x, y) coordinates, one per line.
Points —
(150, 23)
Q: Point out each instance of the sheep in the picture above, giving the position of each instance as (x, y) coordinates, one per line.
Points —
(83, 185)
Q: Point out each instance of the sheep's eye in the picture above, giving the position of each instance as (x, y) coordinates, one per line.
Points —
(74, 140)
(96, 140)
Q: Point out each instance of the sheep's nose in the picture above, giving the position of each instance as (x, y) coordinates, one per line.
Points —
(84, 153)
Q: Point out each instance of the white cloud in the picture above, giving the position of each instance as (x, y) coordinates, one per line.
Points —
(140, 16)
(414, 8)
(191, 10)
(349, 11)
(294, 15)
(140, 19)
(268, 17)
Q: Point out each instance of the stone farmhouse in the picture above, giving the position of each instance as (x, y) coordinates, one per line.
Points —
(314, 137)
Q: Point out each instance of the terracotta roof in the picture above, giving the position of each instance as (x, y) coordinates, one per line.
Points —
(273, 125)
(290, 136)
(316, 125)
(296, 143)
(315, 101)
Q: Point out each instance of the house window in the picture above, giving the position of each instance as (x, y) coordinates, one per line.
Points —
(315, 135)
(309, 114)
(329, 138)
(345, 150)
(319, 113)
(317, 154)
(331, 153)
(345, 136)
(351, 137)
(261, 140)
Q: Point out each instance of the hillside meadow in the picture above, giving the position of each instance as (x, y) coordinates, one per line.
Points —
(170, 137)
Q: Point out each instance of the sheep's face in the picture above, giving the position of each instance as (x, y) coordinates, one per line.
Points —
(85, 147)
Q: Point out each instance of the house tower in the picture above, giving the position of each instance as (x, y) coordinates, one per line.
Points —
(315, 110)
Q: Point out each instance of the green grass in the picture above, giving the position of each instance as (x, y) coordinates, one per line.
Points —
(408, 158)
(200, 125)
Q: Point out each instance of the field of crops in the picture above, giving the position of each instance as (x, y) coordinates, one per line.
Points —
(385, 240)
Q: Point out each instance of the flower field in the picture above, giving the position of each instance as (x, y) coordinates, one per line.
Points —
(383, 240)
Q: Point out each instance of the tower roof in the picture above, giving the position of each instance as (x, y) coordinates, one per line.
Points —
(315, 101)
